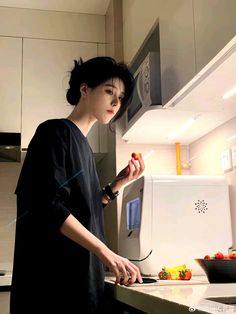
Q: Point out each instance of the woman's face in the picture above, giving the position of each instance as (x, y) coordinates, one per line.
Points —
(104, 101)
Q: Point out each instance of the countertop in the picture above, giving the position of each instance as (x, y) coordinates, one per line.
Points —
(168, 296)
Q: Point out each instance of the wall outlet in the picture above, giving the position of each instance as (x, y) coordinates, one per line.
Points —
(233, 152)
(226, 160)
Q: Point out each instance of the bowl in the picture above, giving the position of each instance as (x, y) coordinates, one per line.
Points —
(218, 270)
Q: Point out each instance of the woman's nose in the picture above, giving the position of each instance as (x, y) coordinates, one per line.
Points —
(115, 101)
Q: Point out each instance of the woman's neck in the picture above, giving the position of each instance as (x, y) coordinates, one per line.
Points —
(82, 120)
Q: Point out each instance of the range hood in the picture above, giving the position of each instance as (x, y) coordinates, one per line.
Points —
(201, 101)
(10, 147)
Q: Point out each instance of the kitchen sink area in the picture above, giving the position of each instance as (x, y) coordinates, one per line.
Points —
(225, 300)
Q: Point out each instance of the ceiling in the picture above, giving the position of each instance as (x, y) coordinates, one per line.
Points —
(78, 6)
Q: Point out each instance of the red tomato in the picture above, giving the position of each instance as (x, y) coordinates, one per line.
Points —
(185, 274)
(232, 255)
(207, 257)
(136, 156)
(164, 275)
(219, 255)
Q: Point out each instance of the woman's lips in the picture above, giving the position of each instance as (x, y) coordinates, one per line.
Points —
(110, 111)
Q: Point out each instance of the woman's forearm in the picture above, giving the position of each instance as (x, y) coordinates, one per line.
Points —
(124, 270)
(75, 231)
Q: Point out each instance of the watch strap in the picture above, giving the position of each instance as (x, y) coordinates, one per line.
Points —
(108, 191)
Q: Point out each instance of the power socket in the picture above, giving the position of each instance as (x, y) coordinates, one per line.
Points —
(226, 160)
(233, 153)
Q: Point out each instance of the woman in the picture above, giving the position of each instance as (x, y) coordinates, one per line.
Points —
(60, 252)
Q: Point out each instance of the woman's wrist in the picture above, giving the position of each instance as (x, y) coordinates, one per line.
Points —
(108, 190)
(109, 193)
(115, 187)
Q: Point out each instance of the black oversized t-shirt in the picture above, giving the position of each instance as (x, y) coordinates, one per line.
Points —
(58, 178)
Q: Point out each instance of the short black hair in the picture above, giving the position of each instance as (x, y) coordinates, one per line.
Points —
(96, 71)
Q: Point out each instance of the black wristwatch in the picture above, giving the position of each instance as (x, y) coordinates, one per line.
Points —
(108, 191)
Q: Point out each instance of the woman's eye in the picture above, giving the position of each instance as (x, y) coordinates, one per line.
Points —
(109, 91)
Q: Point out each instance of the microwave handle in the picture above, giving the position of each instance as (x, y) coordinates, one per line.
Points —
(139, 83)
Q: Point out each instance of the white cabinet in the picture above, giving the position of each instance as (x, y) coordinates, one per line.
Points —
(215, 26)
(46, 71)
(5, 302)
(190, 36)
(10, 84)
(177, 48)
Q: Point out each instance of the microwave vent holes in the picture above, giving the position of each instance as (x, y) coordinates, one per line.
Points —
(201, 206)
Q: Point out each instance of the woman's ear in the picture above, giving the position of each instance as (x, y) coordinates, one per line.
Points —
(84, 89)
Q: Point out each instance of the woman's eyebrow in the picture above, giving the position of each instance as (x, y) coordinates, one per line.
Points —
(113, 86)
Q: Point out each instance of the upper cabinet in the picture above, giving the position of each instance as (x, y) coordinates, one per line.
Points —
(197, 59)
(34, 82)
(203, 104)
(191, 34)
(214, 27)
(177, 48)
(10, 84)
(46, 71)
(37, 51)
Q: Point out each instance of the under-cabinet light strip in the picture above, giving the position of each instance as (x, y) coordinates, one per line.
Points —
(183, 128)
(230, 93)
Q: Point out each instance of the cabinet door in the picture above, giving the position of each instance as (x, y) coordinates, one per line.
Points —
(10, 84)
(176, 46)
(5, 302)
(46, 71)
(215, 26)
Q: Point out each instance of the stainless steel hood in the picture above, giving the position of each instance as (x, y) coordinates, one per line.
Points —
(200, 100)
(10, 147)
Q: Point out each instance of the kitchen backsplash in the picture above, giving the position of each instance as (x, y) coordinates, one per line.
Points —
(206, 159)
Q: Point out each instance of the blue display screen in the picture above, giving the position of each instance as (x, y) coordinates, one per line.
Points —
(133, 214)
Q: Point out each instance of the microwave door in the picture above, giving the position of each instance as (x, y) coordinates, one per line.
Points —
(136, 103)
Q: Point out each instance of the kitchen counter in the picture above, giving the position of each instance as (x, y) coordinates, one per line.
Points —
(168, 297)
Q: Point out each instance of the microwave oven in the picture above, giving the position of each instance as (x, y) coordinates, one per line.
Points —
(147, 91)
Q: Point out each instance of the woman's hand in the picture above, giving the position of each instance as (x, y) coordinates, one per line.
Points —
(131, 172)
(125, 271)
